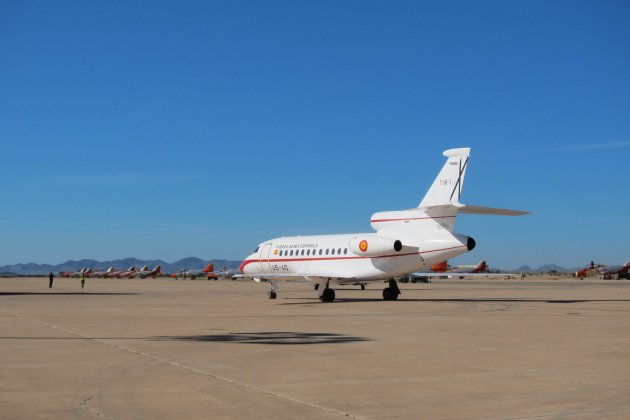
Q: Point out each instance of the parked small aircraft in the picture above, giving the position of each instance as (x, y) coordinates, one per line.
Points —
(193, 274)
(144, 272)
(85, 271)
(621, 271)
(102, 273)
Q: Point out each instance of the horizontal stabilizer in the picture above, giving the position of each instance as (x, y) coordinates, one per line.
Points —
(490, 210)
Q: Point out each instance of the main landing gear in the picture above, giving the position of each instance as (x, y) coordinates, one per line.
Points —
(391, 292)
(272, 293)
(327, 294)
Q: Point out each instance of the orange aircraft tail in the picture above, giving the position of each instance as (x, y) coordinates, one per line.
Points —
(440, 267)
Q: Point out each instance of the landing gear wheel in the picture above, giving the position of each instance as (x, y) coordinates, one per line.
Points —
(272, 295)
(328, 295)
(389, 294)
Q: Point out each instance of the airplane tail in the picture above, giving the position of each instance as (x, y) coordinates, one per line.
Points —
(157, 269)
(209, 268)
(447, 187)
(627, 264)
(440, 267)
(481, 266)
(440, 206)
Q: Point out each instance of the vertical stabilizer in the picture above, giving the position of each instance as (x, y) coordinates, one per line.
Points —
(447, 187)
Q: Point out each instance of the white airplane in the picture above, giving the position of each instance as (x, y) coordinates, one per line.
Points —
(621, 271)
(102, 273)
(144, 272)
(121, 273)
(405, 241)
(85, 271)
(442, 271)
(193, 274)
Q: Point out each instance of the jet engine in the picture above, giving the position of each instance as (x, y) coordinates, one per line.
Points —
(374, 245)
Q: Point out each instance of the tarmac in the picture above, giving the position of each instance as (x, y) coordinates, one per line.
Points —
(164, 348)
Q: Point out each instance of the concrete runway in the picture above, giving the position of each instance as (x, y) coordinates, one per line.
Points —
(146, 349)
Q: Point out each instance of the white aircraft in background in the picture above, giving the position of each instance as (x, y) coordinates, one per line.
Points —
(405, 241)
(144, 272)
(193, 274)
(102, 273)
(124, 273)
(621, 271)
(443, 271)
(84, 271)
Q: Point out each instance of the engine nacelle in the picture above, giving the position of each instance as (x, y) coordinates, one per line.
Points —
(374, 245)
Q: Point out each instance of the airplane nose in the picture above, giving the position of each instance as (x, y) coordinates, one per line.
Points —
(241, 267)
(470, 243)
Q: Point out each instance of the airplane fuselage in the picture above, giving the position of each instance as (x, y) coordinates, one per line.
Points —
(331, 256)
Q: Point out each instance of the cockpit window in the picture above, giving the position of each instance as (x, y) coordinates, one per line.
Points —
(256, 250)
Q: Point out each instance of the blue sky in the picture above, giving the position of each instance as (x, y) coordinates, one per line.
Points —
(174, 129)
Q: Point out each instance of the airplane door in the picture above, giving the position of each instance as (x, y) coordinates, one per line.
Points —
(265, 266)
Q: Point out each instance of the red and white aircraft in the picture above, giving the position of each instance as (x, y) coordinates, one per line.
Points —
(85, 271)
(405, 241)
(144, 272)
(123, 273)
(621, 271)
(442, 270)
(193, 274)
(102, 273)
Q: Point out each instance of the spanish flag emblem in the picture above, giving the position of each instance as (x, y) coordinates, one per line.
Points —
(275, 252)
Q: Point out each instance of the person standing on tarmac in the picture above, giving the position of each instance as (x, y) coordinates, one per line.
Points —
(82, 280)
(50, 278)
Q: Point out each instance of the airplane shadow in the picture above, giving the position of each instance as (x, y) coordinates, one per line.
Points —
(67, 293)
(472, 300)
(271, 337)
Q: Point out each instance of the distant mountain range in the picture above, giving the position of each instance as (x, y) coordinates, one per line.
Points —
(191, 263)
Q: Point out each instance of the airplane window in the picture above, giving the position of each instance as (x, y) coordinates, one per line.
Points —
(291, 252)
(302, 253)
(345, 251)
(332, 251)
(320, 251)
(308, 252)
(339, 251)
(326, 251)
(280, 253)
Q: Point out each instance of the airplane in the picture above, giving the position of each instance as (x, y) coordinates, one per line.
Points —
(608, 272)
(68, 274)
(144, 272)
(124, 273)
(583, 272)
(101, 273)
(223, 273)
(479, 268)
(443, 271)
(405, 241)
(193, 274)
